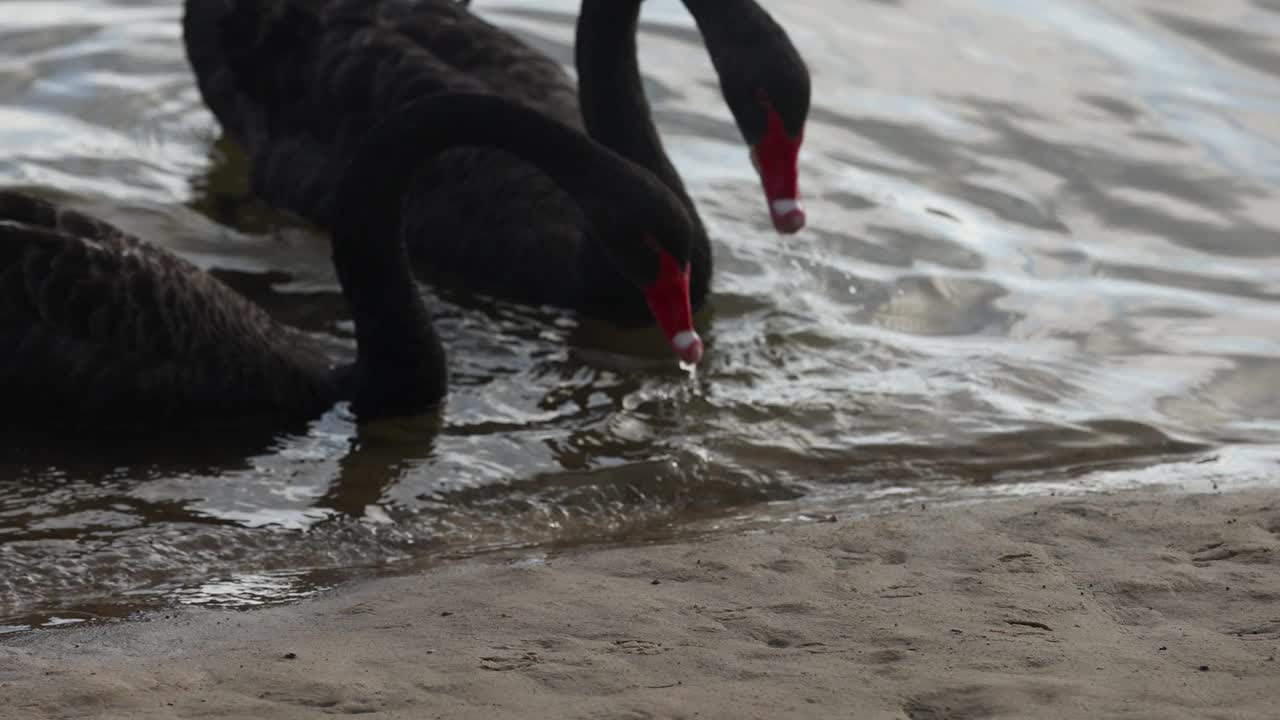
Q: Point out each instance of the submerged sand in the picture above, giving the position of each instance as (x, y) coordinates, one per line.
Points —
(1132, 606)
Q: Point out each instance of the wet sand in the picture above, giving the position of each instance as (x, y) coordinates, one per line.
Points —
(1129, 605)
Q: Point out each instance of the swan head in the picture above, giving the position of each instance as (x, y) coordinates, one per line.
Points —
(766, 84)
(649, 235)
(668, 298)
(776, 156)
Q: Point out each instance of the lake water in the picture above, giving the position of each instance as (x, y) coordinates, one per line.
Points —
(1042, 257)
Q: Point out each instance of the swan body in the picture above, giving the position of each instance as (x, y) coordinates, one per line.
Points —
(97, 325)
(298, 83)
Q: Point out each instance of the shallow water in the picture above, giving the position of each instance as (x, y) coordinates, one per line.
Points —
(1042, 257)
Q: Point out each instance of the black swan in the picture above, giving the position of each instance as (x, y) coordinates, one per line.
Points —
(297, 83)
(97, 326)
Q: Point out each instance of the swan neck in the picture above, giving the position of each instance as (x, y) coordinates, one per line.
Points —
(400, 358)
(611, 92)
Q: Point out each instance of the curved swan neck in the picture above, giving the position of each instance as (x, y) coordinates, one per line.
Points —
(611, 94)
(752, 54)
(401, 366)
(400, 359)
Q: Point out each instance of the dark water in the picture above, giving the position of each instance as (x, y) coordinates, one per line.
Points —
(1043, 257)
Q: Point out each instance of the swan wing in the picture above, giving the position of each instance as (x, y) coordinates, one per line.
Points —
(95, 323)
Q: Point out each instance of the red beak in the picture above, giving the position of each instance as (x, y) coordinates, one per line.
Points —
(777, 158)
(668, 299)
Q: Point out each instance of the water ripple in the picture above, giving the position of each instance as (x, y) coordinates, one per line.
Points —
(1042, 258)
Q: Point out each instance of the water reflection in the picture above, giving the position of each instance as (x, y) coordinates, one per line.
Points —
(380, 454)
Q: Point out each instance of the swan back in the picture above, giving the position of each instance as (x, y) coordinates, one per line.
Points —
(97, 326)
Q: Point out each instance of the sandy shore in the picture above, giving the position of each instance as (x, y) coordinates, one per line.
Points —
(1134, 606)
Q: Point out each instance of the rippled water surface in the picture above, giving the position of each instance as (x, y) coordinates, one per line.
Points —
(1042, 256)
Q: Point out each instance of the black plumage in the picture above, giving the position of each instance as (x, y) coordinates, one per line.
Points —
(97, 326)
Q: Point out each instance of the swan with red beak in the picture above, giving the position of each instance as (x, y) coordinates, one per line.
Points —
(766, 85)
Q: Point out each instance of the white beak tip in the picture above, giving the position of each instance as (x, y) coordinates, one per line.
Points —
(687, 345)
(788, 215)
